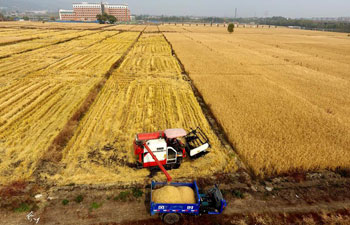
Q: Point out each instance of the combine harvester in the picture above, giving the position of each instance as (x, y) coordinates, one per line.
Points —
(165, 149)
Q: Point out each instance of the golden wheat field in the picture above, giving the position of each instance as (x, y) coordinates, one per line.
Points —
(38, 97)
(75, 95)
(53, 77)
(281, 95)
(146, 94)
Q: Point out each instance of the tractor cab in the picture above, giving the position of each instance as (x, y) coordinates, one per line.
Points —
(212, 202)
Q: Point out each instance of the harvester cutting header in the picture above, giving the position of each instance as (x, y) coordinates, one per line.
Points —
(166, 150)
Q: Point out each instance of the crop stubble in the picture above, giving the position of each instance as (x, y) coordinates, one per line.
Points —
(34, 107)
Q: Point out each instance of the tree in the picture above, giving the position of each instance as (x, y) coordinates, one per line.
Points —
(99, 19)
(26, 18)
(2, 17)
(231, 27)
(106, 18)
(112, 19)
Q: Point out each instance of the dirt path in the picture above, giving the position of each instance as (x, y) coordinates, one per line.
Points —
(287, 203)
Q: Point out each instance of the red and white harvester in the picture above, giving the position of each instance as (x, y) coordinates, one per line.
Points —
(166, 149)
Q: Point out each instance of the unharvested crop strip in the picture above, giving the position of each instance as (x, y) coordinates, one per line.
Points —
(54, 153)
(214, 123)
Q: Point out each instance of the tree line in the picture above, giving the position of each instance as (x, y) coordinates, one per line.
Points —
(338, 26)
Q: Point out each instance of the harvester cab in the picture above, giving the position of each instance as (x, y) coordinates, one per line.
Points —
(166, 148)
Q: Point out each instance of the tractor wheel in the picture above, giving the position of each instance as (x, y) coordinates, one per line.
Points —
(171, 218)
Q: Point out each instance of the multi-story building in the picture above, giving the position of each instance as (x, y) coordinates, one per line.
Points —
(67, 14)
(88, 11)
(121, 12)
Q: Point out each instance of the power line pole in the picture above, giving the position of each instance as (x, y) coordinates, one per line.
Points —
(236, 13)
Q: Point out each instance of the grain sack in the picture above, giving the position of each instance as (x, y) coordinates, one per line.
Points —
(173, 195)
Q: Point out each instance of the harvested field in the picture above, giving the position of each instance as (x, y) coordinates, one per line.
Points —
(33, 61)
(11, 36)
(38, 100)
(282, 96)
(145, 94)
(152, 29)
(137, 28)
(37, 42)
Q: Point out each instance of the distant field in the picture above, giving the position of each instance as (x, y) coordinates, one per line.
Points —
(51, 25)
(281, 95)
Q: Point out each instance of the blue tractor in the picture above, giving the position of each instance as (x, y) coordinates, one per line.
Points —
(210, 202)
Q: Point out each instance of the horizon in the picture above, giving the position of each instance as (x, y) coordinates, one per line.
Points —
(205, 8)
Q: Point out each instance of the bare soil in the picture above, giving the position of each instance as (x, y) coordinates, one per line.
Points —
(318, 198)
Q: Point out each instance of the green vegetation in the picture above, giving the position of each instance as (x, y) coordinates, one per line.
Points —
(106, 18)
(137, 192)
(95, 205)
(238, 194)
(65, 202)
(6, 18)
(231, 27)
(337, 26)
(122, 196)
(24, 207)
(79, 199)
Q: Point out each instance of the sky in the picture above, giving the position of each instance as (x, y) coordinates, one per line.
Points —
(219, 8)
(245, 8)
